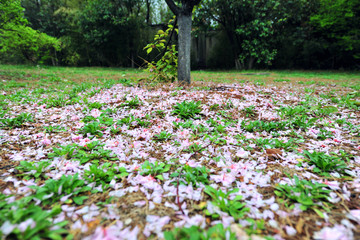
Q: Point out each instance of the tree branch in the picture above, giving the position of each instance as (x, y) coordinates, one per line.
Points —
(175, 9)
(147, 12)
(195, 2)
(188, 5)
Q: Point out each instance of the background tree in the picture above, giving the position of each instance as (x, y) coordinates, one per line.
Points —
(296, 45)
(183, 11)
(59, 19)
(19, 41)
(251, 27)
(11, 12)
(338, 22)
(296, 34)
(93, 32)
(111, 30)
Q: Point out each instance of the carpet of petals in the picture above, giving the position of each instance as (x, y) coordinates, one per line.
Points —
(138, 130)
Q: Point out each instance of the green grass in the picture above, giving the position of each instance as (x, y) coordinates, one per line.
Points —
(335, 77)
(330, 75)
(16, 76)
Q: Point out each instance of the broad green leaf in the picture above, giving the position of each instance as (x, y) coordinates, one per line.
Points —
(319, 212)
(160, 177)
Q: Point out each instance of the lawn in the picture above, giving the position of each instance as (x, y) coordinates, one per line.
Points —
(101, 153)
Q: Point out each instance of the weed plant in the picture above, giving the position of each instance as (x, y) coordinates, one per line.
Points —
(192, 175)
(41, 225)
(103, 175)
(17, 121)
(67, 185)
(94, 129)
(235, 208)
(259, 126)
(311, 195)
(249, 111)
(162, 136)
(35, 170)
(155, 169)
(217, 232)
(324, 164)
(187, 109)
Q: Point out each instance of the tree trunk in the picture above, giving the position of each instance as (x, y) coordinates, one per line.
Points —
(234, 45)
(251, 62)
(238, 65)
(184, 23)
(56, 58)
(132, 60)
(147, 12)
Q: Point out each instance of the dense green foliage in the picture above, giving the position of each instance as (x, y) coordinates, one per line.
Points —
(11, 12)
(338, 22)
(111, 30)
(92, 32)
(18, 40)
(249, 25)
(308, 34)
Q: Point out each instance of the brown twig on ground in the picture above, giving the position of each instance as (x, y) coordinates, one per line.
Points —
(178, 197)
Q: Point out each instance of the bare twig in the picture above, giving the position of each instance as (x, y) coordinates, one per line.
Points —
(178, 197)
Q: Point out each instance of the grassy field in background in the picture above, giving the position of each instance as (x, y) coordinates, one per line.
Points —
(37, 76)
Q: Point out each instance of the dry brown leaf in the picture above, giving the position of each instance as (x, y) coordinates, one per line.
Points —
(241, 178)
(300, 225)
(273, 152)
(242, 235)
(93, 224)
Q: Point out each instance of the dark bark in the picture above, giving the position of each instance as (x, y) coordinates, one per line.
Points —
(184, 21)
(234, 45)
(251, 62)
(148, 12)
(238, 65)
(175, 9)
(54, 59)
(132, 60)
(230, 19)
